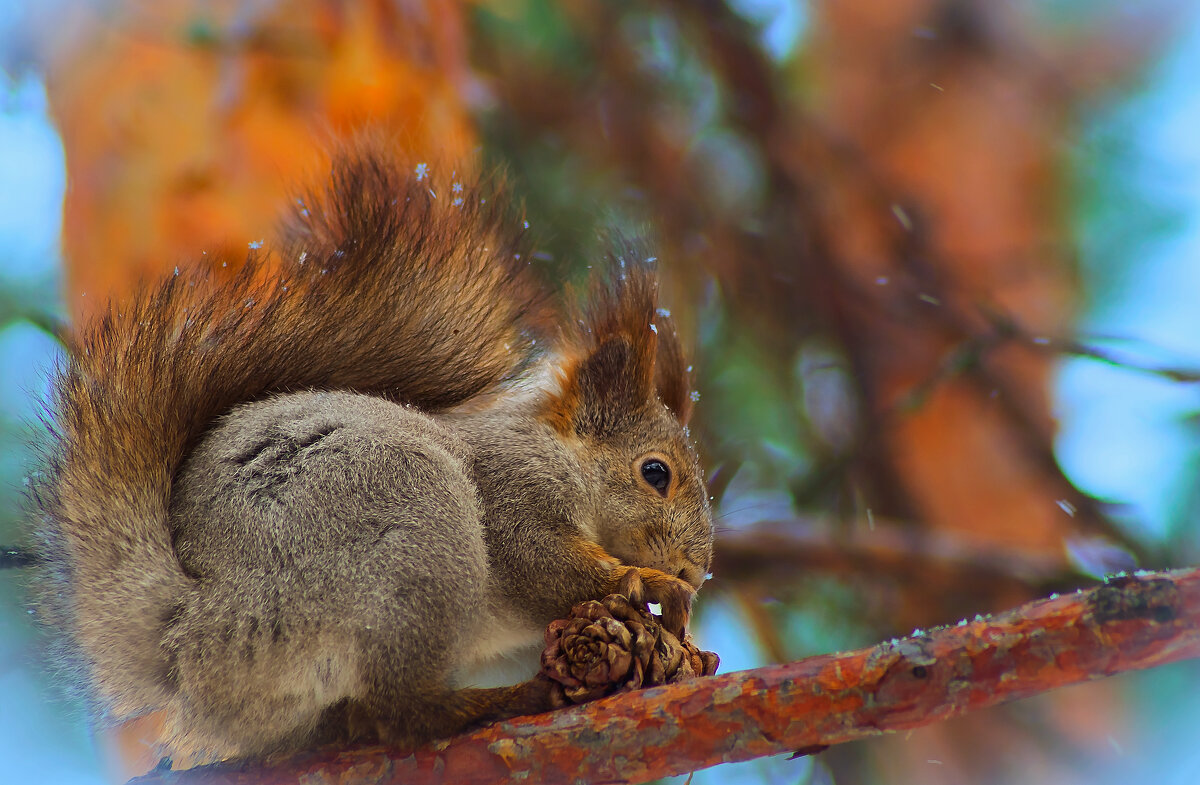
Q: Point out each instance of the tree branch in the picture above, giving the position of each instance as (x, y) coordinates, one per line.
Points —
(789, 548)
(1130, 623)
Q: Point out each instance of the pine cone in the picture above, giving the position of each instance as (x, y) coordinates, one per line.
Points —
(613, 646)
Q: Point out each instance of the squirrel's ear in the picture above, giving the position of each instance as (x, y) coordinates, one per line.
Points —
(623, 351)
(603, 388)
(610, 384)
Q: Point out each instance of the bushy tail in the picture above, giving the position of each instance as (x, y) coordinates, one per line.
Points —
(392, 281)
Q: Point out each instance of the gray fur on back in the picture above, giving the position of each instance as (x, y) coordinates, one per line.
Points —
(330, 537)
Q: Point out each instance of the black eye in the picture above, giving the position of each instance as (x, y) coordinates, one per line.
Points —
(656, 473)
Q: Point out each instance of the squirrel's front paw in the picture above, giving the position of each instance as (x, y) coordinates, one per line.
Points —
(647, 585)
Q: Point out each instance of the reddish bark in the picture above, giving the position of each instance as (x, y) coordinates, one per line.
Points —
(1130, 623)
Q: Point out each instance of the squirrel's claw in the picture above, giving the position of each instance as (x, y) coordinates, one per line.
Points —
(644, 585)
(630, 585)
(676, 601)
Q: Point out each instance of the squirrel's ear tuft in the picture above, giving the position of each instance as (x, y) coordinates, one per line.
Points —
(672, 374)
(627, 351)
(611, 386)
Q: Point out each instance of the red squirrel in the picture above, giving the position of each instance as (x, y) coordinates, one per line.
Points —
(304, 503)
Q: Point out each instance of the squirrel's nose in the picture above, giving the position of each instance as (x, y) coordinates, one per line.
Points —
(679, 566)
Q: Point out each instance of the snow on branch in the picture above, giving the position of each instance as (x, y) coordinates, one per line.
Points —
(1130, 623)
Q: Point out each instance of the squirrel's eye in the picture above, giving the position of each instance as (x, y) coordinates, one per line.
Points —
(656, 473)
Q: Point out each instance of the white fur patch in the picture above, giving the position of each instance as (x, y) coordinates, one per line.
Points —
(505, 651)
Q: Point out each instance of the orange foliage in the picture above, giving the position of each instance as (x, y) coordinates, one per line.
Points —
(185, 123)
(964, 137)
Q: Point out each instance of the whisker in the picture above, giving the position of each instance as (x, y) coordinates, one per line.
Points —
(736, 510)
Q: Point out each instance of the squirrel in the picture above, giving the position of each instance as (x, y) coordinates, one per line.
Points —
(303, 503)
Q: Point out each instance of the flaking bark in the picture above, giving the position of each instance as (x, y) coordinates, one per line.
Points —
(1129, 623)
